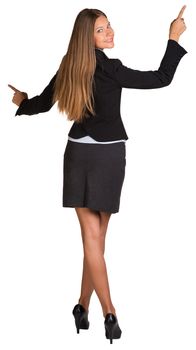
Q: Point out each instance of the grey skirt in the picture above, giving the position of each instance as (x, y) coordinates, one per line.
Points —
(93, 175)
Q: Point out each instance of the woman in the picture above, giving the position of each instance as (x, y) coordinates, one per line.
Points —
(87, 87)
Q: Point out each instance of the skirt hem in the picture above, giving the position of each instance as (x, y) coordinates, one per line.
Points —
(112, 211)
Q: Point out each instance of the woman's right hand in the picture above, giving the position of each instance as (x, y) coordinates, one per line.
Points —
(177, 27)
(18, 96)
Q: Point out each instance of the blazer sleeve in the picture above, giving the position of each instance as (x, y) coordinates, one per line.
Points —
(130, 78)
(38, 104)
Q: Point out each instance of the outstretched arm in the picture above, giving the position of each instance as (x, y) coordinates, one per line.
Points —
(136, 79)
(37, 104)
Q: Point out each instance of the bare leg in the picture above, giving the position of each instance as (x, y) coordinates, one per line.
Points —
(93, 227)
(87, 286)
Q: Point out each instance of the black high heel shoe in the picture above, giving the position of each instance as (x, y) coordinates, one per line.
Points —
(112, 329)
(81, 317)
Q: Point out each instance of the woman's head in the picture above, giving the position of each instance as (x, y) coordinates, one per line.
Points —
(74, 82)
(91, 29)
(103, 33)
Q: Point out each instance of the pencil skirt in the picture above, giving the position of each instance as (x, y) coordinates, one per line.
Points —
(93, 175)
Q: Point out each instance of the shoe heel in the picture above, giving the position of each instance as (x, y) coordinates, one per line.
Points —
(77, 323)
(112, 329)
(81, 318)
(109, 333)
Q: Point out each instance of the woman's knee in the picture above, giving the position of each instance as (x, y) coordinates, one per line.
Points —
(93, 236)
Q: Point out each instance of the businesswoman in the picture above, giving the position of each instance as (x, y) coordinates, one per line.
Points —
(87, 88)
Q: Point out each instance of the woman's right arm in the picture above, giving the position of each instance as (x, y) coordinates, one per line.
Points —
(37, 104)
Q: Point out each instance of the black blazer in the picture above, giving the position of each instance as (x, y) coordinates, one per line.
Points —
(109, 78)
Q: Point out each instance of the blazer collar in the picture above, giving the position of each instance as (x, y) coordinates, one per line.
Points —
(100, 53)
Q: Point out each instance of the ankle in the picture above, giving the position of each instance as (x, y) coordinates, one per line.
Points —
(109, 310)
(84, 302)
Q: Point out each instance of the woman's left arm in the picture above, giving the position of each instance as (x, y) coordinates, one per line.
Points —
(136, 79)
(130, 78)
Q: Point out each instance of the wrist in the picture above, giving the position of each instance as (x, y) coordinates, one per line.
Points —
(174, 37)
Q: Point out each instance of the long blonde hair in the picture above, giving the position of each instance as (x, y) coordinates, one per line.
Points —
(74, 82)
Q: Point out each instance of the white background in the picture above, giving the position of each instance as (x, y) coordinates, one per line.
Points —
(150, 248)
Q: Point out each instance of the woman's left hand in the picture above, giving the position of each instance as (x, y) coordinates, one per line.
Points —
(177, 27)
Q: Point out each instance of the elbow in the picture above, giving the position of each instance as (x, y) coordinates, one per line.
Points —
(167, 83)
(164, 78)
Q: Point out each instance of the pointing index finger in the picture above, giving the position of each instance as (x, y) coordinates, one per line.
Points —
(13, 88)
(181, 12)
